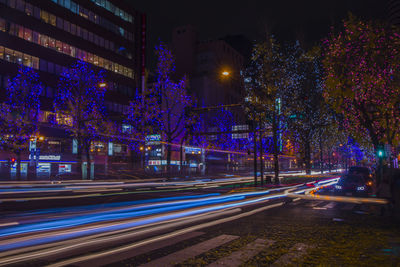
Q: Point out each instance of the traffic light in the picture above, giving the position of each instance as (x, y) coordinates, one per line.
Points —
(12, 161)
(380, 152)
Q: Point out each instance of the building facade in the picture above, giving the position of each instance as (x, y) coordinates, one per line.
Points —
(49, 36)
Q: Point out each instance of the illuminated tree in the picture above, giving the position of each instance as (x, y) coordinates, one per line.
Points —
(80, 96)
(174, 100)
(264, 79)
(307, 116)
(362, 80)
(143, 115)
(19, 113)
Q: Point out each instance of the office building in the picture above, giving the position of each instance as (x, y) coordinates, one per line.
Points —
(49, 36)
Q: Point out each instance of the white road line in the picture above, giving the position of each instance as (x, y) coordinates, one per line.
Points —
(162, 237)
(298, 251)
(191, 252)
(330, 205)
(244, 254)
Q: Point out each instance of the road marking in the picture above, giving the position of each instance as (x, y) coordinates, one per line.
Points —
(158, 238)
(140, 250)
(239, 257)
(191, 252)
(349, 206)
(298, 251)
(330, 205)
(314, 204)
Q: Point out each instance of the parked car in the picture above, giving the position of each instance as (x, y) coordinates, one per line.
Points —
(354, 185)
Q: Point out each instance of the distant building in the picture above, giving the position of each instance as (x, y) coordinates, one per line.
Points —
(212, 66)
(49, 36)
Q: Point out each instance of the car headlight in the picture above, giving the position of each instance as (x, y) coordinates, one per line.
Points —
(360, 188)
(338, 186)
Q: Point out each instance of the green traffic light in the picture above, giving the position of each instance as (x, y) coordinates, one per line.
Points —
(380, 153)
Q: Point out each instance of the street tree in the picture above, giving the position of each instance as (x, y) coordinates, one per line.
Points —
(19, 114)
(264, 79)
(307, 116)
(174, 100)
(362, 74)
(143, 114)
(80, 96)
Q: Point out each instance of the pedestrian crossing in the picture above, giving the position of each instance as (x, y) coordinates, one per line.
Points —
(236, 258)
(326, 205)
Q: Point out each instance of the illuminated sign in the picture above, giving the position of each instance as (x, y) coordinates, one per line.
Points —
(48, 157)
(192, 150)
(153, 139)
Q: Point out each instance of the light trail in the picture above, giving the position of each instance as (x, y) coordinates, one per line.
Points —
(201, 205)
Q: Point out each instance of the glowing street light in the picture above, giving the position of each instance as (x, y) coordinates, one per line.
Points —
(102, 85)
(225, 73)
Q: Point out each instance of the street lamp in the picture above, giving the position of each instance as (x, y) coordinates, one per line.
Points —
(102, 85)
(225, 73)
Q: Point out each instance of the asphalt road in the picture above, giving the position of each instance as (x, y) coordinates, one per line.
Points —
(201, 227)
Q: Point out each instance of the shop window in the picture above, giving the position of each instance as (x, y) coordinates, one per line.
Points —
(2, 25)
(84, 34)
(35, 63)
(90, 37)
(20, 30)
(44, 40)
(28, 9)
(72, 52)
(59, 46)
(18, 57)
(74, 7)
(11, 3)
(28, 35)
(53, 20)
(44, 16)
(35, 37)
(73, 29)
(1, 52)
(20, 5)
(27, 60)
(60, 23)
(63, 119)
(67, 49)
(95, 60)
(52, 43)
(36, 12)
(67, 4)
(9, 55)
(66, 26)
(50, 67)
(43, 65)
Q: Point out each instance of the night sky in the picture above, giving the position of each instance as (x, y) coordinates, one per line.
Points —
(308, 20)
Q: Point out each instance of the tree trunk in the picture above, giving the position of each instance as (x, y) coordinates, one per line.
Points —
(329, 161)
(307, 155)
(261, 160)
(89, 163)
(181, 157)
(169, 141)
(321, 155)
(18, 170)
(79, 156)
(275, 147)
(255, 157)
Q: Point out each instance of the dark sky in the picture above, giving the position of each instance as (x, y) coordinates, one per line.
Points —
(309, 20)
